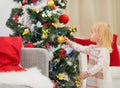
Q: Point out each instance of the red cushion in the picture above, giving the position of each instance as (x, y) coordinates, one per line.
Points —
(10, 53)
(114, 56)
(83, 41)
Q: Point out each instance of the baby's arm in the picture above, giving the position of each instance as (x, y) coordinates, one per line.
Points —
(77, 47)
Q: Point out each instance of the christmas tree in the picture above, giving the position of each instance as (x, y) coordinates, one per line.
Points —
(42, 24)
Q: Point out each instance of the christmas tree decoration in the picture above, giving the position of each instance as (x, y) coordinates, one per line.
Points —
(78, 82)
(16, 18)
(29, 45)
(26, 31)
(36, 10)
(55, 85)
(47, 45)
(73, 29)
(33, 1)
(64, 19)
(50, 3)
(60, 39)
(25, 2)
(42, 24)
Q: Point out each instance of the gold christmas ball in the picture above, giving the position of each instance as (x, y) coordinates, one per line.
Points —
(60, 39)
(50, 3)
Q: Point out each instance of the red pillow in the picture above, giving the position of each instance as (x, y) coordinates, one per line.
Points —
(83, 41)
(114, 56)
(10, 53)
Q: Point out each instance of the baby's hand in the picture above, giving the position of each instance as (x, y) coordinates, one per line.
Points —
(67, 40)
(83, 75)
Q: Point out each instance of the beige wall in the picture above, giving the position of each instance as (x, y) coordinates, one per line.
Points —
(83, 13)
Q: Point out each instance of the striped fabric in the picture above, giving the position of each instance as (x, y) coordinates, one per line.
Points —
(96, 80)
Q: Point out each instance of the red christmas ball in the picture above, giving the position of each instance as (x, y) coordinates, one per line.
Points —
(62, 56)
(53, 7)
(61, 51)
(55, 85)
(34, 1)
(63, 19)
(47, 45)
(29, 45)
(25, 2)
(16, 16)
(46, 24)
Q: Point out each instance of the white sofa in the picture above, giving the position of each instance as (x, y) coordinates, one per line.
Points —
(116, 74)
(115, 71)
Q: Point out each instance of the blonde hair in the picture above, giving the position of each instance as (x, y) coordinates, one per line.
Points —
(104, 31)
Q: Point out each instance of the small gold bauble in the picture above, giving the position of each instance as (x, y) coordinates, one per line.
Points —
(60, 39)
(50, 3)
